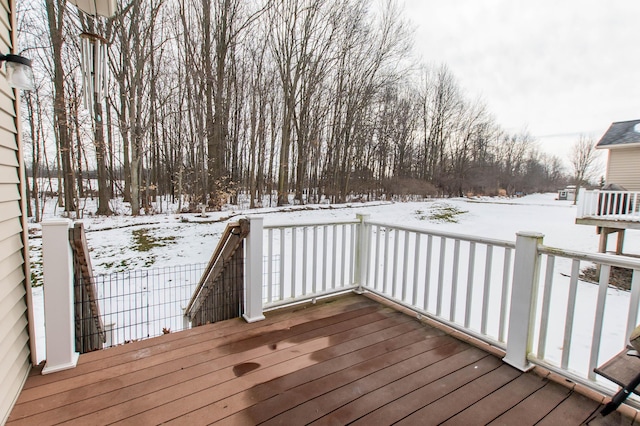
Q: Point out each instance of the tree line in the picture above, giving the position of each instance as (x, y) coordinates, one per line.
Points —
(303, 99)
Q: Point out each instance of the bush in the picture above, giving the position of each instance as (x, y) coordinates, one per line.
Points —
(406, 187)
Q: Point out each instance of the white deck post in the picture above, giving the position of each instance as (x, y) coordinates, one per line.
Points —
(582, 203)
(362, 251)
(57, 265)
(253, 268)
(523, 298)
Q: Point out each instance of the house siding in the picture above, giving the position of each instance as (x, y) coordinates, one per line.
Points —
(15, 353)
(622, 168)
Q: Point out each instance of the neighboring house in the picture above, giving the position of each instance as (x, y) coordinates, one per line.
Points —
(623, 165)
(15, 344)
(616, 207)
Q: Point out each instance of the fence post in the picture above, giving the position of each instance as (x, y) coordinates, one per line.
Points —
(57, 265)
(362, 251)
(523, 298)
(109, 341)
(253, 291)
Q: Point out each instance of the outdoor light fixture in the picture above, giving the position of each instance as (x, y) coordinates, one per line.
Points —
(19, 72)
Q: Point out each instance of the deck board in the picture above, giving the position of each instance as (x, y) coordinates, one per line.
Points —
(146, 387)
(574, 409)
(206, 349)
(196, 340)
(463, 397)
(346, 360)
(432, 391)
(355, 352)
(331, 392)
(499, 401)
(537, 405)
(214, 386)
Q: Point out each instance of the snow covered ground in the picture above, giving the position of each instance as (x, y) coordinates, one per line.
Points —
(121, 243)
(188, 238)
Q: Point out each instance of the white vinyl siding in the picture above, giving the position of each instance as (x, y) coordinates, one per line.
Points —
(5, 20)
(15, 361)
(7, 140)
(7, 157)
(9, 174)
(623, 167)
(6, 102)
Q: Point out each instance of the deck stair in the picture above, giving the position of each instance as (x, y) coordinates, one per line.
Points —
(90, 334)
(219, 294)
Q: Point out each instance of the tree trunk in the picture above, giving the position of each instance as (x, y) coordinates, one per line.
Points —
(55, 14)
(101, 153)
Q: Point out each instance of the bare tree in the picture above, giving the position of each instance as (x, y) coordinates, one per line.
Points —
(471, 129)
(583, 160)
(216, 97)
(441, 102)
(98, 135)
(136, 25)
(56, 10)
(294, 22)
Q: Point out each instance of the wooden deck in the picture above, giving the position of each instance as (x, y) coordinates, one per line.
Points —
(349, 360)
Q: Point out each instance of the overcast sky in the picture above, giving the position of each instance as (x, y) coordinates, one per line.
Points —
(558, 68)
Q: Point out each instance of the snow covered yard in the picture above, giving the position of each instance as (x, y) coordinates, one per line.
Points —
(123, 243)
(120, 243)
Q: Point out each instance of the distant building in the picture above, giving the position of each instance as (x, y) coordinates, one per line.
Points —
(569, 193)
(622, 139)
(616, 207)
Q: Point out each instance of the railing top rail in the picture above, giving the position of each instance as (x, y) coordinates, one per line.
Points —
(452, 235)
(600, 258)
(610, 191)
(311, 224)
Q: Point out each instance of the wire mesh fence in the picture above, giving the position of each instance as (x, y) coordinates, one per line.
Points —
(140, 304)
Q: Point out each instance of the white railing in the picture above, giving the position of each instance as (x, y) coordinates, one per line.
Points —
(461, 280)
(581, 324)
(526, 298)
(609, 205)
(304, 261)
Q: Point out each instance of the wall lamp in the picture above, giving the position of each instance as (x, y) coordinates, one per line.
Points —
(19, 72)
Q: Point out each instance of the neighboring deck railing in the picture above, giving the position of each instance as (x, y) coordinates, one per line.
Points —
(609, 205)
